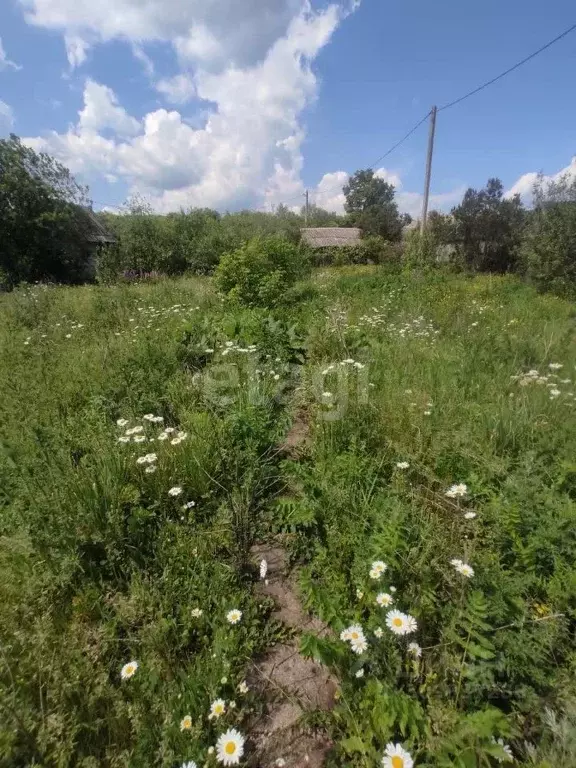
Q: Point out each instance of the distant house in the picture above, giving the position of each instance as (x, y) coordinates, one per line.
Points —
(95, 235)
(330, 237)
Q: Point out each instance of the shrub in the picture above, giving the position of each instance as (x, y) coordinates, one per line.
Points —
(260, 272)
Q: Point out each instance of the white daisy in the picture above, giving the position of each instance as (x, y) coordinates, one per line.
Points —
(122, 422)
(263, 569)
(470, 515)
(186, 723)
(280, 762)
(401, 623)
(234, 616)
(163, 436)
(384, 599)
(358, 644)
(196, 613)
(129, 670)
(243, 687)
(555, 366)
(151, 469)
(463, 568)
(359, 594)
(175, 491)
(377, 569)
(507, 751)
(134, 430)
(415, 650)
(169, 430)
(217, 708)
(360, 672)
(395, 756)
(378, 632)
(189, 505)
(140, 439)
(148, 416)
(354, 632)
(189, 764)
(124, 439)
(230, 747)
(402, 465)
(555, 392)
(457, 490)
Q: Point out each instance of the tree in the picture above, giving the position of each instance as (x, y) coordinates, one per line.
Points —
(548, 250)
(41, 229)
(489, 228)
(370, 205)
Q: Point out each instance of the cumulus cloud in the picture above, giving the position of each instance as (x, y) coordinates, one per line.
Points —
(525, 184)
(249, 148)
(178, 89)
(5, 62)
(6, 118)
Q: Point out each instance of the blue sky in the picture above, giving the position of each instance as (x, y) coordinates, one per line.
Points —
(217, 102)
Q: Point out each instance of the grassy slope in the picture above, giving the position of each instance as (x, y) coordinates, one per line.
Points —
(99, 565)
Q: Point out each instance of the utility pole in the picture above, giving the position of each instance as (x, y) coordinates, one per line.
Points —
(307, 207)
(428, 169)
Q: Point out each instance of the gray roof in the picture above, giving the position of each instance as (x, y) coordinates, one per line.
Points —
(323, 237)
(92, 228)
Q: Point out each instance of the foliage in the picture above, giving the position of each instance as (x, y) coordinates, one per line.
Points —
(260, 272)
(548, 251)
(370, 205)
(41, 226)
(488, 228)
(372, 249)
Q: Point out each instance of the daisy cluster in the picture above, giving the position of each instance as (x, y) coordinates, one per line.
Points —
(551, 381)
(229, 747)
(138, 432)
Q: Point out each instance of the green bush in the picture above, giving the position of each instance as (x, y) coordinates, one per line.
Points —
(260, 272)
(370, 250)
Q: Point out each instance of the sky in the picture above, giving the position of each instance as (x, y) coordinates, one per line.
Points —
(236, 104)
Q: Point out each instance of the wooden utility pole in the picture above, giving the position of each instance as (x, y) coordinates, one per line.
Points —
(428, 169)
(306, 211)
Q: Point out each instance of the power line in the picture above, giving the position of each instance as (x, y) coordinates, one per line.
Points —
(507, 72)
(410, 132)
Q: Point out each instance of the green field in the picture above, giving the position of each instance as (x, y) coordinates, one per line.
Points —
(439, 413)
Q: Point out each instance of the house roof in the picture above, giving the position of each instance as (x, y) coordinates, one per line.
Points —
(324, 237)
(93, 229)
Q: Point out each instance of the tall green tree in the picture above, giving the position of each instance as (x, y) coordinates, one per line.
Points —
(370, 205)
(489, 228)
(41, 234)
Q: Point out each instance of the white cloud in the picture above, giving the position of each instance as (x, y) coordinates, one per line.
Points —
(6, 118)
(525, 184)
(178, 89)
(328, 194)
(5, 62)
(76, 49)
(101, 110)
(411, 202)
(249, 148)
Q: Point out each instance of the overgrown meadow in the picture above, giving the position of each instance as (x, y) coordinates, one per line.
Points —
(429, 514)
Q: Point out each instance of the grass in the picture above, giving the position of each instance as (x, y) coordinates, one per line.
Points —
(99, 565)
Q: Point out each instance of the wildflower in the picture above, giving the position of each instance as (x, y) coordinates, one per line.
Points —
(470, 515)
(402, 465)
(359, 594)
(358, 644)
(134, 430)
(462, 568)
(129, 670)
(377, 569)
(186, 723)
(189, 764)
(234, 616)
(232, 705)
(427, 413)
(151, 469)
(175, 491)
(124, 439)
(140, 439)
(554, 392)
(360, 672)
(163, 436)
(217, 708)
(243, 687)
(392, 589)
(148, 416)
(384, 599)
(223, 680)
(415, 650)
(122, 422)
(457, 490)
(169, 430)
(68, 335)
(401, 623)
(230, 747)
(280, 762)
(378, 632)
(189, 505)
(196, 613)
(157, 420)
(555, 366)
(506, 749)
(263, 569)
(149, 458)
(395, 756)
(210, 750)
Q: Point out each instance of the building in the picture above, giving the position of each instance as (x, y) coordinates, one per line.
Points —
(330, 237)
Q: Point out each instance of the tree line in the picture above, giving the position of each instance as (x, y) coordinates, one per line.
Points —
(44, 232)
